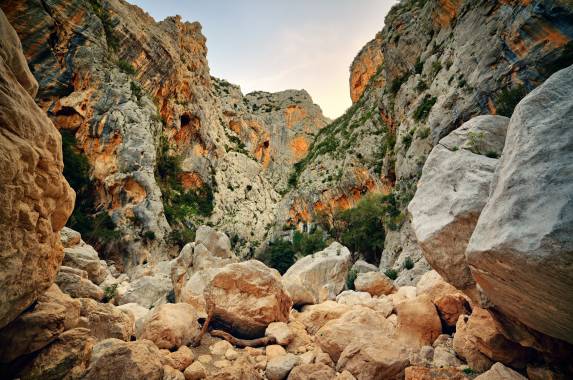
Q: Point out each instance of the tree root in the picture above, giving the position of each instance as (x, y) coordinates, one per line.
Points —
(241, 343)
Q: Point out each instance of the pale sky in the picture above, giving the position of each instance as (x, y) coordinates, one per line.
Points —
(273, 45)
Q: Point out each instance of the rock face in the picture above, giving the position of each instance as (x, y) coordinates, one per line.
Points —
(36, 200)
(451, 193)
(318, 277)
(171, 326)
(247, 297)
(366, 63)
(527, 226)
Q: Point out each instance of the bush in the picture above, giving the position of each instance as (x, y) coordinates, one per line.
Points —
(307, 244)
(97, 228)
(135, 90)
(421, 113)
(180, 236)
(149, 235)
(391, 274)
(408, 263)
(423, 132)
(508, 99)
(350, 278)
(280, 255)
(126, 67)
(170, 297)
(398, 82)
(476, 141)
(407, 140)
(109, 292)
(418, 66)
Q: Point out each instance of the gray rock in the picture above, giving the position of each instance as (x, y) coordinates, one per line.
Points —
(75, 283)
(361, 266)
(279, 367)
(451, 193)
(521, 250)
(147, 291)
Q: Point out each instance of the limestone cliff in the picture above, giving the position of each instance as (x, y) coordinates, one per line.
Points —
(134, 92)
(443, 62)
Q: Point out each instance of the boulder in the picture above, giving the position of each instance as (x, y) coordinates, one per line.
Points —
(116, 359)
(499, 371)
(375, 283)
(193, 290)
(281, 332)
(361, 325)
(195, 371)
(315, 371)
(451, 193)
(180, 267)
(171, 325)
(418, 322)
(182, 358)
(318, 277)
(170, 373)
(529, 225)
(352, 298)
(480, 341)
(374, 360)
(238, 370)
(424, 373)
(361, 266)
(137, 313)
(278, 368)
(313, 317)
(147, 291)
(83, 256)
(35, 199)
(450, 307)
(69, 237)
(216, 242)
(75, 283)
(66, 357)
(53, 313)
(247, 297)
(104, 320)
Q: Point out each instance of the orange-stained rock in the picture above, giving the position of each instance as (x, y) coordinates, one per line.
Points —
(35, 199)
(171, 326)
(364, 66)
(451, 306)
(418, 322)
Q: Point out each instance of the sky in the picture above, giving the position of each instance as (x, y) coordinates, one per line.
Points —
(272, 45)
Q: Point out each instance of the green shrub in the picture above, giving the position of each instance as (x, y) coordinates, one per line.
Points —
(492, 154)
(421, 86)
(423, 132)
(170, 297)
(436, 68)
(105, 18)
(97, 228)
(135, 90)
(109, 292)
(307, 244)
(280, 255)
(407, 140)
(421, 113)
(468, 371)
(350, 278)
(418, 66)
(398, 82)
(391, 274)
(408, 263)
(179, 236)
(126, 67)
(149, 235)
(508, 99)
(476, 141)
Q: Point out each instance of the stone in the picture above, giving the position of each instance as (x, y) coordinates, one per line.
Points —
(432, 284)
(480, 341)
(318, 277)
(66, 357)
(220, 347)
(170, 373)
(83, 256)
(499, 371)
(53, 313)
(361, 325)
(345, 375)
(205, 359)
(445, 357)
(352, 298)
(418, 322)
(450, 307)
(69, 237)
(193, 290)
(543, 373)
(375, 283)
(221, 363)
(105, 321)
(180, 267)
(375, 359)
(281, 332)
(403, 293)
(324, 358)
(133, 360)
(171, 325)
(75, 283)
(274, 350)
(182, 358)
(361, 266)
(247, 297)
(216, 242)
(312, 372)
(147, 291)
(424, 373)
(301, 339)
(530, 227)
(451, 193)
(313, 317)
(137, 312)
(238, 370)
(278, 368)
(35, 199)
(195, 371)
(231, 354)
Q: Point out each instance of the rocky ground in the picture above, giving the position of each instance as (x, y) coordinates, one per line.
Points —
(487, 220)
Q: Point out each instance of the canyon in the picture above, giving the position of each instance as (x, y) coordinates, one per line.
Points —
(159, 223)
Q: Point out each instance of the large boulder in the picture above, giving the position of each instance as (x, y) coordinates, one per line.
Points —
(35, 199)
(53, 313)
(116, 359)
(451, 193)
(374, 360)
(171, 325)
(104, 320)
(313, 317)
(318, 277)
(361, 325)
(137, 312)
(499, 371)
(66, 358)
(418, 322)
(74, 282)
(247, 297)
(83, 256)
(521, 250)
(216, 242)
(147, 291)
(375, 283)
